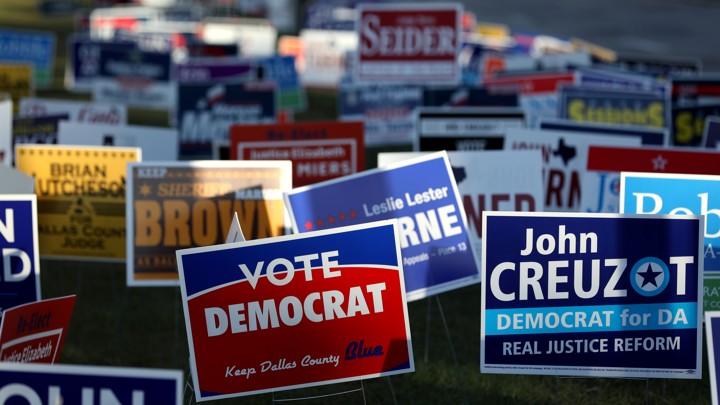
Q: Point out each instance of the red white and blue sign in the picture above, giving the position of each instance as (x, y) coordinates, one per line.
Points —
(601, 295)
(64, 384)
(422, 194)
(20, 277)
(295, 311)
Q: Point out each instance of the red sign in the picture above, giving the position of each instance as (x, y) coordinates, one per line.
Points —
(527, 84)
(416, 43)
(296, 311)
(319, 150)
(35, 332)
(664, 160)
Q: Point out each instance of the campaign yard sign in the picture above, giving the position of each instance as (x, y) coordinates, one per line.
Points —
(81, 198)
(464, 128)
(665, 193)
(466, 96)
(35, 332)
(588, 104)
(295, 311)
(386, 111)
(177, 205)
(35, 48)
(688, 123)
(157, 144)
(319, 150)
(77, 111)
(60, 383)
(712, 334)
(565, 157)
(37, 130)
(20, 277)
(601, 295)
(605, 163)
(408, 43)
(136, 78)
(422, 194)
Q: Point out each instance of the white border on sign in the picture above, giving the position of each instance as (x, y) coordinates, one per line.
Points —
(402, 79)
(422, 292)
(306, 235)
(709, 315)
(32, 199)
(136, 150)
(285, 166)
(612, 372)
(101, 371)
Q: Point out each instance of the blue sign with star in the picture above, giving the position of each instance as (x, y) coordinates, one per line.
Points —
(602, 295)
(422, 195)
(661, 193)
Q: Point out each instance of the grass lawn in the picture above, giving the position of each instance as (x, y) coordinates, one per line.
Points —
(115, 325)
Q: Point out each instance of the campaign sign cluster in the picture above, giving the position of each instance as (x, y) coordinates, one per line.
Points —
(602, 295)
(295, 311)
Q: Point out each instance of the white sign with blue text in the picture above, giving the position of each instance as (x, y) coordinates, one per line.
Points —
(595, 295)
(422, 194)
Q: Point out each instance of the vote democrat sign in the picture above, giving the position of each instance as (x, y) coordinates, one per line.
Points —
(601, 295)
(20, 276)
(63, 384)
(422, 194)
(295, 311)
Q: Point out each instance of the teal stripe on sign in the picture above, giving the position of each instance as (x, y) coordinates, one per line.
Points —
(601, 318)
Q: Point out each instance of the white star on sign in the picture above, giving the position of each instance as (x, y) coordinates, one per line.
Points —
(659, 163)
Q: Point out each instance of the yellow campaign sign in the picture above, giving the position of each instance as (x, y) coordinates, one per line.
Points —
(16, 80)
(81, 198)
(181, 205)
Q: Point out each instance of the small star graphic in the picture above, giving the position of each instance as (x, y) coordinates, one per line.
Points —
(649, 276)
(353, 214)
(659, 163)
(331, 219)
(320, 222)
(308, 225)
(145, 190)
(341, 216)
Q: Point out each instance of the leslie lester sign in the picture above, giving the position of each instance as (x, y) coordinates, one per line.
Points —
(295, 311)
(601, 295)
(422, 194)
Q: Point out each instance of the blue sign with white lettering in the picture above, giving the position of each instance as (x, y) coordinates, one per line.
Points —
(661, 193)
(421, 193)
(37, 48)
(20, 277)
(87, 385)
(601, 295)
